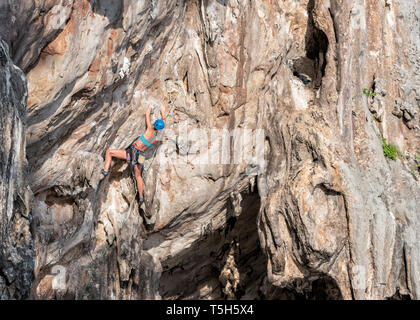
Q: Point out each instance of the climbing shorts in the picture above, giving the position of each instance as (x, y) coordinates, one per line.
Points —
(134, 156)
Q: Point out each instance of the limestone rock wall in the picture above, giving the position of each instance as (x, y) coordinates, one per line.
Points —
(328, 216)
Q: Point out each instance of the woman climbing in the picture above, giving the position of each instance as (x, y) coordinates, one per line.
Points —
(135, 153)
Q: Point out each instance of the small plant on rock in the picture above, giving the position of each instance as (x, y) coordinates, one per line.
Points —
(368, 93)
(390, 150)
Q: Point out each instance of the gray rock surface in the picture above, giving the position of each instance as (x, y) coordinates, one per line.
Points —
(16, 245)
(327, 216)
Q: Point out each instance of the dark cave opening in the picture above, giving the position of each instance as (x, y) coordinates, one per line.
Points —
(323, 287)
(203, 270)
(399, 296)
(204, 265)
(311, 68)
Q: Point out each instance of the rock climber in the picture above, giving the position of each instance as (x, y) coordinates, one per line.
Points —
(134, 154)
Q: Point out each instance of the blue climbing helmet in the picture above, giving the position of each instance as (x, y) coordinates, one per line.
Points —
(159, 124)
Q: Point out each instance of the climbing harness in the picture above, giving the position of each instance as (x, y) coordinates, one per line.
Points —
(133, 155)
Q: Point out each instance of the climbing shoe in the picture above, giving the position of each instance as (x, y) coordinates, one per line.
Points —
(104, 172)
(141, 200)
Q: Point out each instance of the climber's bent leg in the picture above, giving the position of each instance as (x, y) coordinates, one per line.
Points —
(139, 180)
(113, 153)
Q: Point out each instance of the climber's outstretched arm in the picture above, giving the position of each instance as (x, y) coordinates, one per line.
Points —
(148, 121)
